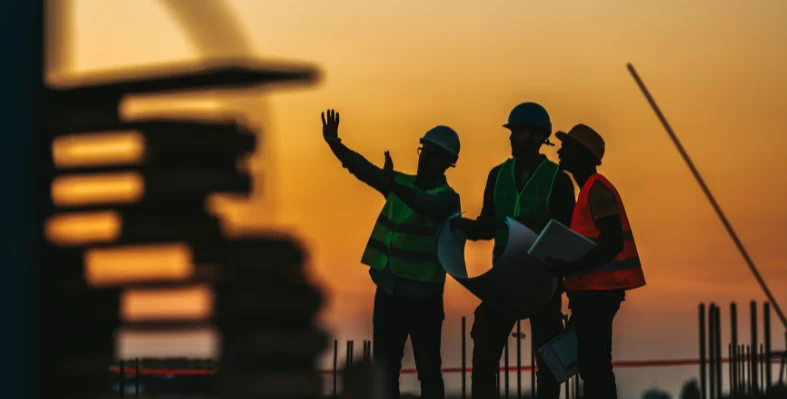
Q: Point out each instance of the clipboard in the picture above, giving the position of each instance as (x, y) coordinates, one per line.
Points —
(560, 355)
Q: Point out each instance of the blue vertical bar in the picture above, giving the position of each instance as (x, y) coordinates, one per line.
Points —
(21, 110)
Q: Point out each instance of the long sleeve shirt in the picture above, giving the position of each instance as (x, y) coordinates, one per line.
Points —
(437, 207)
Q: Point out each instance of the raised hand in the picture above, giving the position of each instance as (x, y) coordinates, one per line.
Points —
(330, 125)
(388, 169)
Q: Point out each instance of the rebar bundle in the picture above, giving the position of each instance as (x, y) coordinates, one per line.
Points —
(145, 183)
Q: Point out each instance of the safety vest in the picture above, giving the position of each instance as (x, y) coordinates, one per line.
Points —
(405, 240)
(526, 205)
(625, 270)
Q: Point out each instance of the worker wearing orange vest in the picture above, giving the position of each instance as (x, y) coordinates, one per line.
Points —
(596, 283)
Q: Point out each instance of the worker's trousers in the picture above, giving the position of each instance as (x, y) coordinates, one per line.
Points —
(396, 318)
(491, 331)
(592, 314)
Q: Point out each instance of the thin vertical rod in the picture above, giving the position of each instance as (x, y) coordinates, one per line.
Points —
(734, 345)
(712, 350)
(532, 365)
(703, 357)
(742, 369)
(761, 364)
(136, 377)
(754, 337)
(464, 357)
(505, 366)
(347, 357)
(718, 351)
(749, 385)
(122, 384)
(335, 363)
(730, 356)
(518, 359)
(766, 332)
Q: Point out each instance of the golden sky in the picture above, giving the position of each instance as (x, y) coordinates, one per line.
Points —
(394, 71)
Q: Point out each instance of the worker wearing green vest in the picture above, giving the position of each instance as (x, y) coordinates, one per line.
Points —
(531, 189)
(402, 253)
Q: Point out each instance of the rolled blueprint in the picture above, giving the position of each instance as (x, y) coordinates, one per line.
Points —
(518, 286)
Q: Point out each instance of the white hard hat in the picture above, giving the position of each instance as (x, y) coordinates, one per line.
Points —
(443, 137)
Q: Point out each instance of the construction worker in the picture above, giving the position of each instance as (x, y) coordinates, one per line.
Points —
(531, 189)
(596, 283)
(401, 253)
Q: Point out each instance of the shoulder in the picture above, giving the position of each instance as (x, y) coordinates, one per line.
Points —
(601, 200)
(495, 172)
(599, 190)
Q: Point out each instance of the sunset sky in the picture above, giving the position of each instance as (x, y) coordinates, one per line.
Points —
(716, 68)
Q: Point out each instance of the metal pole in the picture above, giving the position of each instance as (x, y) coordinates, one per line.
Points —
(734, 346)
(708, 194)
(766, 320)
(730, 356)
(122, 385)
(761, 363)
(749, 385)
(518, 359)
(464, 358)
(532, 365)
(784, 360)
(505, 362)
(703, 358)
(742, 369)
(347, 357)
(335, 363)
(754, 336)
(718, 351)
(136, 378)
(712, 350)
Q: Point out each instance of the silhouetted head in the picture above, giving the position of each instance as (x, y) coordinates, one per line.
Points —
(582, 149)
(530, 128)
(439, 151)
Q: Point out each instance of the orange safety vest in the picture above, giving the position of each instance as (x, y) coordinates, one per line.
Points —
(625, 270)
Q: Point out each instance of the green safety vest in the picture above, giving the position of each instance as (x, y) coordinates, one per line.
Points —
(405, 240)
(529, 206)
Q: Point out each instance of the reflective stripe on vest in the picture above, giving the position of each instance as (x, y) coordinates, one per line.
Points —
(405, 240)
(625, 270)
(528, 206)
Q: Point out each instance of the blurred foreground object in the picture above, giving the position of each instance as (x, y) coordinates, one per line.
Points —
(127, 218)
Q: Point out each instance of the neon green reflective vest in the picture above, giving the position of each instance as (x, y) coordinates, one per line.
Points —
(528, 206)
(405, 240)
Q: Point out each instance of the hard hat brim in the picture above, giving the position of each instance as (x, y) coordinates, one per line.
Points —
(440, 145)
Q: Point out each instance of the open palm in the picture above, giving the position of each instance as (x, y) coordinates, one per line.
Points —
(330, 125)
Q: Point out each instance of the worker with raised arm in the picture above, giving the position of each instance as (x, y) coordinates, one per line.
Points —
(532, 190)
(596, 283)
(401, 253)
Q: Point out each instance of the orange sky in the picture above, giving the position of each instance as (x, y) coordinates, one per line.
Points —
(716, 69)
